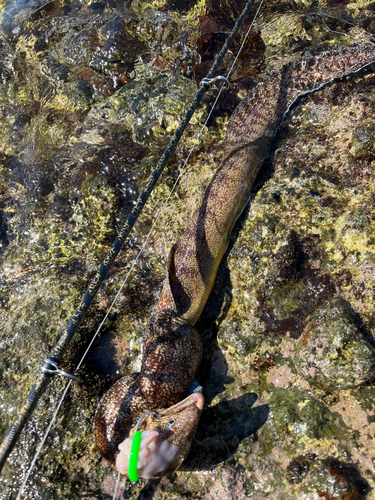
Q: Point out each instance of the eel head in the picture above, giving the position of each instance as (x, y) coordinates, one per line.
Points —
(166, 439)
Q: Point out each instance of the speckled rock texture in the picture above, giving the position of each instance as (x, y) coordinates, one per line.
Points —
(333, 353)
(89, 96)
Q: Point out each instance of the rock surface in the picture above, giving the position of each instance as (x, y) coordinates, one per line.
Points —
(333, 353)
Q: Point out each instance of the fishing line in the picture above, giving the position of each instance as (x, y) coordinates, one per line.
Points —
(116, 487)
(134, 262)
(245, 38)
(39, 449)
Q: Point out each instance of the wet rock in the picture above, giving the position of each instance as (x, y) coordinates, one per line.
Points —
(243, 340)
(178, 5)
(224, 11)
(363, 138)
(171, 41)
(3, 233)
(83, 95)
(121, 45)
(327, 478)
(297, 469)
(293, 288)
(45, 185)
(4, 196)
(95, 213)
(332, 352)
(298, 423)
(152, 106)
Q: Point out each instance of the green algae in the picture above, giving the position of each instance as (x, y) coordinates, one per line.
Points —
(363, 138)
(303, 424)
(152, 114)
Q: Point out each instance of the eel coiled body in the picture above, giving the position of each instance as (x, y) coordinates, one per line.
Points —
(172, 348)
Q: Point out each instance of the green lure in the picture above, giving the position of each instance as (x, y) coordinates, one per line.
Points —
(133, 459)
(134, 450)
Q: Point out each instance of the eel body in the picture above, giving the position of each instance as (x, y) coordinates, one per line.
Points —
(172, 348)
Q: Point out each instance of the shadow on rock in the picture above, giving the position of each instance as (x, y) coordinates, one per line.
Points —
(221, 430)
(330, 478)
(147, 492)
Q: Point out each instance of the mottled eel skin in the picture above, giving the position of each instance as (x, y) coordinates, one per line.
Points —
(172, 348)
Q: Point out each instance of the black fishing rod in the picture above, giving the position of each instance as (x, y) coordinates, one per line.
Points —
(50, 365)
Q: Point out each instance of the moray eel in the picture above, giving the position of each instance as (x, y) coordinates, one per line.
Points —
(172, 348)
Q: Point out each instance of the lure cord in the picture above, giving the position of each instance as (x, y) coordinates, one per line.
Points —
(134, 262)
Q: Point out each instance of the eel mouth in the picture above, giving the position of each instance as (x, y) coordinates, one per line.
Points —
(165, 439)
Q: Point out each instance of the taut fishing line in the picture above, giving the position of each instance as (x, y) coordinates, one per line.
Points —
(134, 262)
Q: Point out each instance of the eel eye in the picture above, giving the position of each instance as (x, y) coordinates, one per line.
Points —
(170, 424)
